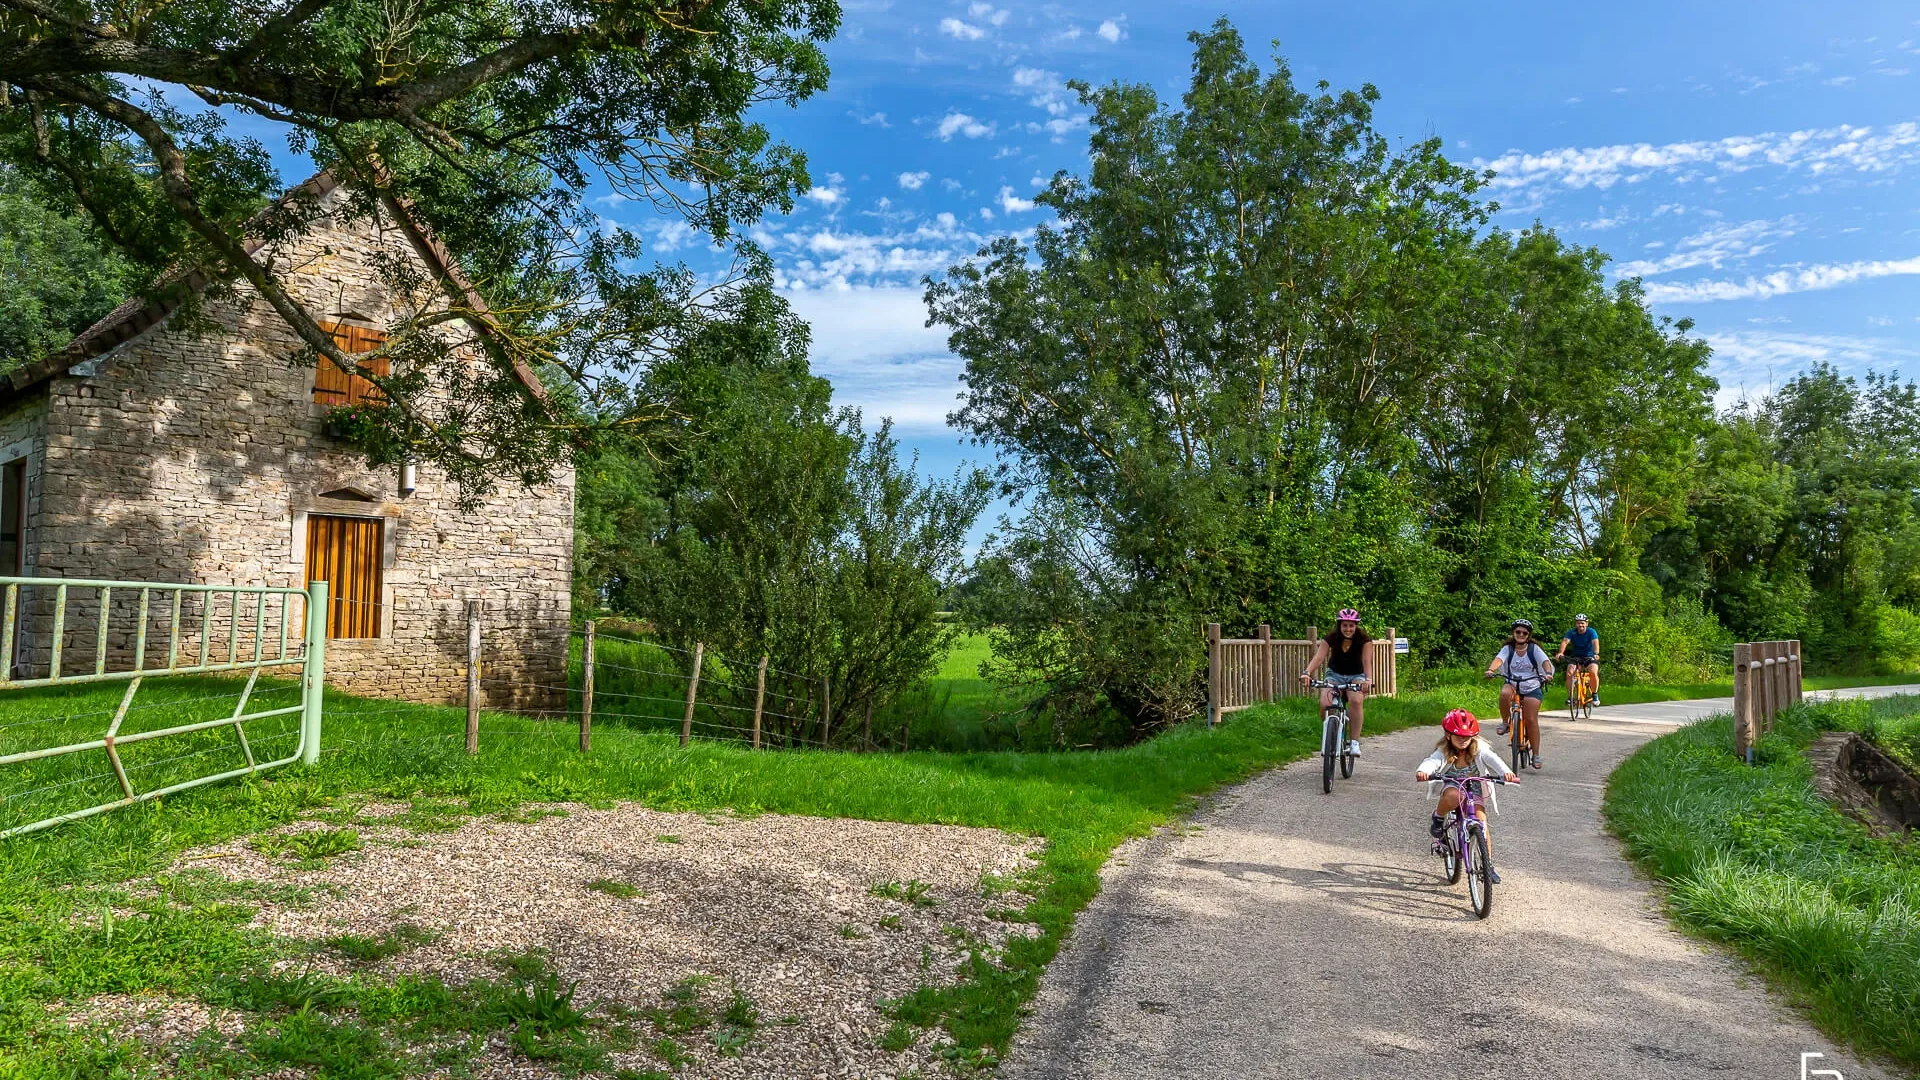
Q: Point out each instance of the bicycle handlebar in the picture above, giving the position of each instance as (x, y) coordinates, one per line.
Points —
(1462, 781)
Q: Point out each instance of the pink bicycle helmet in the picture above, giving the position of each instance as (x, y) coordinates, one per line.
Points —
(1348, 614)
(1462, 723)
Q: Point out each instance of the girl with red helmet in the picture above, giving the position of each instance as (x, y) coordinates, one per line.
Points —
(1461, 752)
(1348, 657)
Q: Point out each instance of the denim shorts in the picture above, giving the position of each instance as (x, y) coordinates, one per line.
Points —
(1538, 693)
(1345, 680)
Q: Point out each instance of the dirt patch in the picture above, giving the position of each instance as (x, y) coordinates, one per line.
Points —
(817, 921)
(1866, 783)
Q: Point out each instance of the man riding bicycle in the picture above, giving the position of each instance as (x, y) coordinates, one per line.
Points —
(1527, 670)
(1347, 654)
(1581, 648)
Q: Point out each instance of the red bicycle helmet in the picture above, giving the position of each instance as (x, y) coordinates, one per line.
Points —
(1462, 723)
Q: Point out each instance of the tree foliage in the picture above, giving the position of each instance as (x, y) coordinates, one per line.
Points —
(1268, 364)
(774, 524)
(56, 278)
(489, 122)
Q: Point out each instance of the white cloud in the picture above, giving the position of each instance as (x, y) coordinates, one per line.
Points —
(874, 345)
(1753, 362)
(986, 214)
(959, 123)
(1816, 151)
(1013, 204)
(672, 236)
(825, 196)
(878, 118)
(1780, 282)
(947, 221)
(1840, 80)
(1713, 247)
(1029, 78)
(1113, 30)
(961, 30)
(993, 15)
(911, 181)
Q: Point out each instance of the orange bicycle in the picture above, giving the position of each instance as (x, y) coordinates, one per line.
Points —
(1580, 691)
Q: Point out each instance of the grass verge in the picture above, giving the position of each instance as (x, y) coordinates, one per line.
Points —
(1755, 859)
(70, 929)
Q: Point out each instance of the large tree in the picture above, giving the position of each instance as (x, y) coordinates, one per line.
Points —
(489, 121)
(1268, 363)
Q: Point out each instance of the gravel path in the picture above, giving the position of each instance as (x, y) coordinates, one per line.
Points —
(1283, 935)
(626, 902)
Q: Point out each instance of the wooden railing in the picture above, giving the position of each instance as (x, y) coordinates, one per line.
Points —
(1766, 683)
(1243, 672)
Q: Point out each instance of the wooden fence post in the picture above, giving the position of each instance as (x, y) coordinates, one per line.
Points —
(1267, 690)
(473, 676)
(759, 699)
(826, 713)
(693, 688)
(1742, 701)
(1769, 689)
(1393, 663)
(586, 690)
(1213, 673)
(1794, 673)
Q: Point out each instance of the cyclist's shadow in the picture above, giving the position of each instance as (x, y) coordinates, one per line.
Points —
(1388, 890)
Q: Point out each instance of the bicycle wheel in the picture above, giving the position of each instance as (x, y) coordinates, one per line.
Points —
(1328, 732)
(1518, 741)
(1480, 881)
(1346, 757)
(1450, 850)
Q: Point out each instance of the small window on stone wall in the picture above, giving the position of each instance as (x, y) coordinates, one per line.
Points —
(332, 386)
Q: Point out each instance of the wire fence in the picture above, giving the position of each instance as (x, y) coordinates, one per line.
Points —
(552, 698)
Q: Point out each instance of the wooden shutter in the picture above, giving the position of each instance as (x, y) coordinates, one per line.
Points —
(345, 553)
(332, 385)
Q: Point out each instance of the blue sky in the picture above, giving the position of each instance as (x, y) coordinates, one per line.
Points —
(1757, 164)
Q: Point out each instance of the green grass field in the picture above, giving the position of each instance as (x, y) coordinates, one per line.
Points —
(1755, 859)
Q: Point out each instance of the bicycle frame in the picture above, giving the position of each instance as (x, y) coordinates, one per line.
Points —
(1467, 814)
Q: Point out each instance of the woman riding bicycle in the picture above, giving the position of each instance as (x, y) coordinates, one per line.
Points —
(1348, 657)
(1527, 671)
(1581, 647)
(1460, 752)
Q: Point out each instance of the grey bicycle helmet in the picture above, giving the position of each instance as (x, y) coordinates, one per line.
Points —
(1518, 623)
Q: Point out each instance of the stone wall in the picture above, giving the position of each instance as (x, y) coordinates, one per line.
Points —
(199, 459)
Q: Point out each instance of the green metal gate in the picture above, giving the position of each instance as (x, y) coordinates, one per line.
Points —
(200, 640)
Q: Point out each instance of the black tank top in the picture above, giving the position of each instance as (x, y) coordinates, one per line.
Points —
(1350, 662)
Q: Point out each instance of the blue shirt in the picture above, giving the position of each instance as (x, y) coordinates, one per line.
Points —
(1582, 643)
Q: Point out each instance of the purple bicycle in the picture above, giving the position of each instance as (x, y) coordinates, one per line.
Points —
(1464, 846)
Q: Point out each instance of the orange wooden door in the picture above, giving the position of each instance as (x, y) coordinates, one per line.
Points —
(345, 553)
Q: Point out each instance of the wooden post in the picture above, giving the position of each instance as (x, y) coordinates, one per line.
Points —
(1213, 673)
(759, 699)
(586, 690)
(1393, 662)
(1267, 690)
(1800, 679)
(826, 713)
(693, 688)
(1769, 691)
(1742, 701)
(473, 676)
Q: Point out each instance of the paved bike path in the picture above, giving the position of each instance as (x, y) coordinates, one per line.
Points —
(1288, 933)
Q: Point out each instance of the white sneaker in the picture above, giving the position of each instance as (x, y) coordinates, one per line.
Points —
(1353, 747)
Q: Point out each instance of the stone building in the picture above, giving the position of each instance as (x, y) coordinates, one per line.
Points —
(149, 452)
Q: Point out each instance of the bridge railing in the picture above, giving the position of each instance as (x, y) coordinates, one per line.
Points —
(1766, 682)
